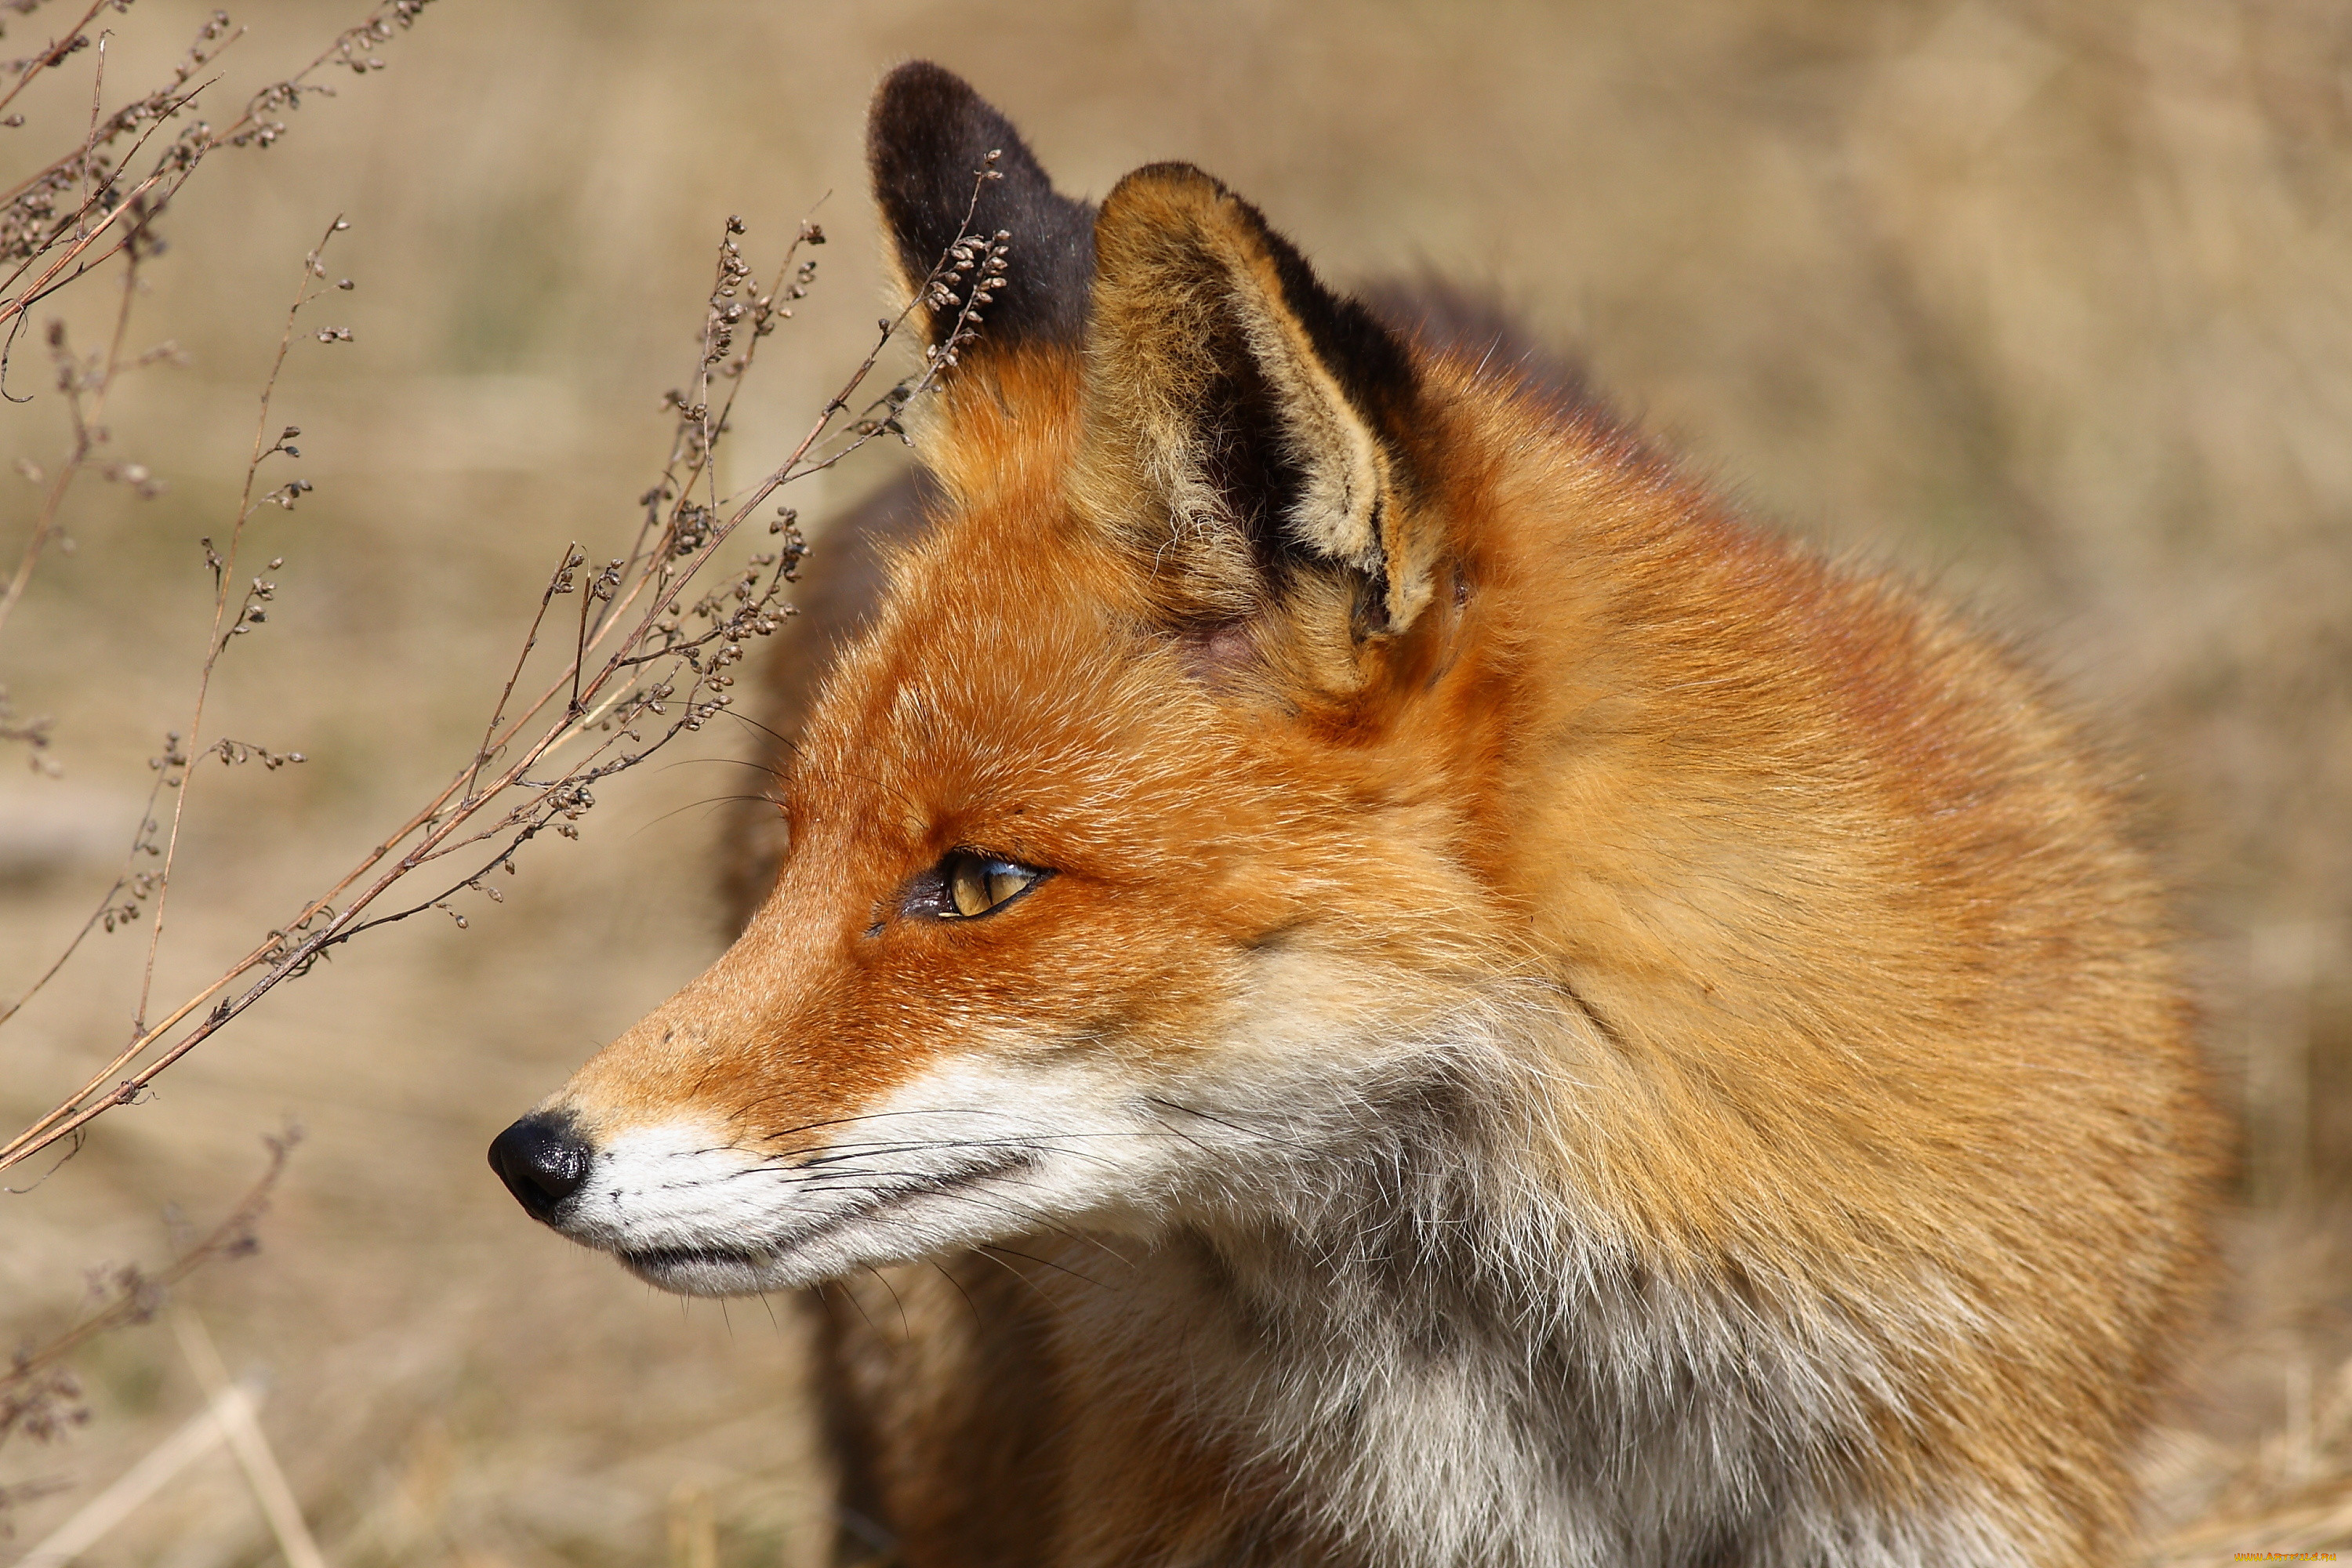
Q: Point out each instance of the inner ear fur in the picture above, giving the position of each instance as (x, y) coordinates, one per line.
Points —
(1244, 428)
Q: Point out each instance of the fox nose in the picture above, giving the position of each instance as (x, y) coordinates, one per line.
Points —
(543, 1162)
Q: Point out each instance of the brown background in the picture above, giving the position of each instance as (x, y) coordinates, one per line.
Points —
(2048, 303)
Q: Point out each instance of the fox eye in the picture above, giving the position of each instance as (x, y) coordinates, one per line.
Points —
(965, 885)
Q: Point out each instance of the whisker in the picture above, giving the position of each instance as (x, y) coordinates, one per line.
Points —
(968, 1301)
(1230, 1126)
(905, 1327)
(824, 1286)
(864, 1116)
(700, 761)
(706, 801)
(768, 730)
(1027, 1214)
(991, 1248)
(840, 1152)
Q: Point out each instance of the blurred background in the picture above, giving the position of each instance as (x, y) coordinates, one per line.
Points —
(2048, 303)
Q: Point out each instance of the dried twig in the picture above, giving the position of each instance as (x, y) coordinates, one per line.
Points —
(54, 217)
(35, 228)
(39, 1398)
(113, 910)
(251, 611)
(59, 48)
(86, 386)
(263, 1474)
(659, 677)
(91, 1523)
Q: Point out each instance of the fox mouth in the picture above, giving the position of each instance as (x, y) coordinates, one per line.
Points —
(801, 1256)
(706, 1270)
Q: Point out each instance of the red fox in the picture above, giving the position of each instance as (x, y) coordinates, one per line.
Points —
(1369, 977)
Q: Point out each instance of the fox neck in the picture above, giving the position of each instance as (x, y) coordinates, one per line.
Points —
(1447, 1359)
(1382, 1327)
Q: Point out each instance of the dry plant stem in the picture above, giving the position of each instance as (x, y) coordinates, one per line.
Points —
(699, 455)
(169, 175)
(614, 695)
(181, 160)
(57, 50)
(224, 576)
(121, 881)
(698, 460)
(96, 106)
(225, 572)
(163, 1464)
(48, 282)
(136, 1295)
(493, 742)
(76, 220)
(86, 425)
(171, 172)
(95, 1519)
(20, 223)
(572, 559)
(263, 1474)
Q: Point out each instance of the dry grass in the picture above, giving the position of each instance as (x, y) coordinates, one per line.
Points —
(2051, 302)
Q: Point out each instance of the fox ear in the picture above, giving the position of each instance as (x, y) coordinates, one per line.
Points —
(1245, 427)
(930, 138)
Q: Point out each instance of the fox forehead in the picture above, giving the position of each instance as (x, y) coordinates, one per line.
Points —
(1010, 710)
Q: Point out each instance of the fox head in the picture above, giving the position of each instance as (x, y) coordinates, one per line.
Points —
(1142, 847)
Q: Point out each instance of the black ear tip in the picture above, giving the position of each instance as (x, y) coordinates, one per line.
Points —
(915, 93)
(927, 142)
(927, 138)
(924, 112)
(909, 75)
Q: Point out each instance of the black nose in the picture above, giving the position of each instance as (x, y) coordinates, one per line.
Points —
(543, 1162)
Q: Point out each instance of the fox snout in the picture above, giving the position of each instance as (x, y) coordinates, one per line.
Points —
(543, 1159)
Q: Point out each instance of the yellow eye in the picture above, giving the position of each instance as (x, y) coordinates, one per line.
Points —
(976, 885)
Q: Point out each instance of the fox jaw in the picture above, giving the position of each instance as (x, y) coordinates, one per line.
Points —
(1127, 872)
